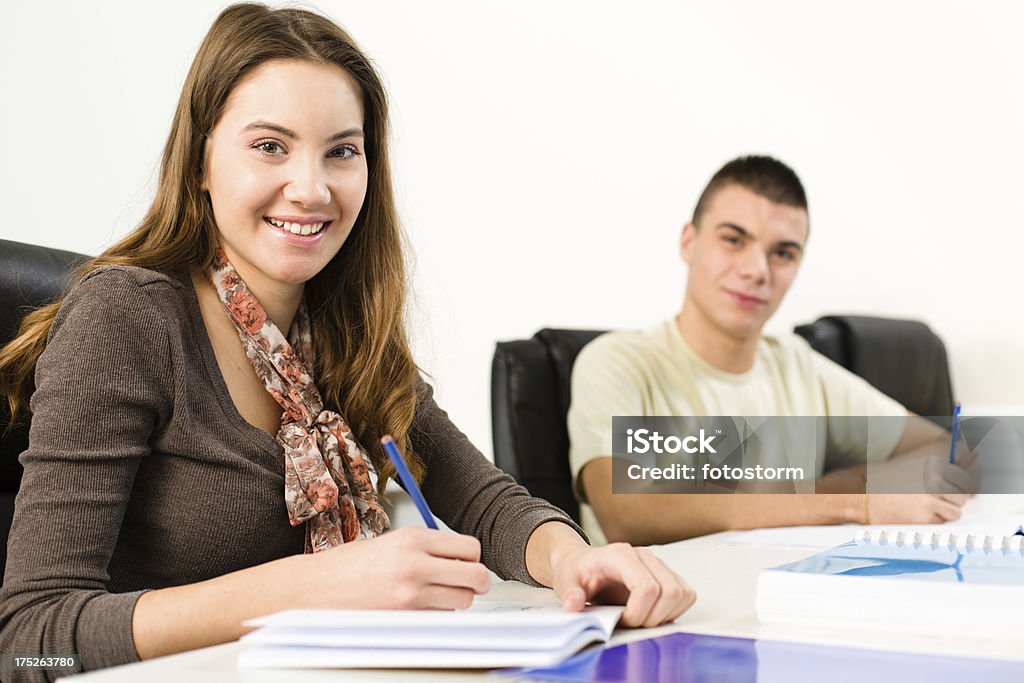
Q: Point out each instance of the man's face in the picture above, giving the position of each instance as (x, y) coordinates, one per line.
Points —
(743, 258)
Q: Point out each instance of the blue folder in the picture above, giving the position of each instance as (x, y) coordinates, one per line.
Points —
(909, 561)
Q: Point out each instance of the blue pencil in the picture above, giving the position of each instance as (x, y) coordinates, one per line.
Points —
(405, 476)
(956, 434)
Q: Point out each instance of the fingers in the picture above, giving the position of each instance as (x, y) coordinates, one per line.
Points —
(967, 459)
(577, 580)
(573, 599)
(922, 508)
(430, 569)
(942, 478)
(676, 596)
(471, 576)
(945, 510)
(453, 546)
(609, 575)
(644, 590)
(444, 597)
(439, 543)
(956, 498)
(619, 573)
(962, 480)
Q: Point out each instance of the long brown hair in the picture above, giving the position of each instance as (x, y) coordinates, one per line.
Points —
(356, 303)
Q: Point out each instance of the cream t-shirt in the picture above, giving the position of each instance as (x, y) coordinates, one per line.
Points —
(656, 373)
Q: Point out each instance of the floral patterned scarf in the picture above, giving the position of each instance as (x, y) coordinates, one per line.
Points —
(326, 476)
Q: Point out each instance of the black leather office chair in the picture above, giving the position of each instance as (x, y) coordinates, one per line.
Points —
(30, 276)
(530, 388)
(902, 358)
(529, 404)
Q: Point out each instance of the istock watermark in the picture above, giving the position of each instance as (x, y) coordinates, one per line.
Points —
(808, 454)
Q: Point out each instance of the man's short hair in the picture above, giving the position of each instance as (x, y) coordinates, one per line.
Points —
(762, 175)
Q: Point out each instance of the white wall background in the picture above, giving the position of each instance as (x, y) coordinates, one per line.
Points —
(547, 154)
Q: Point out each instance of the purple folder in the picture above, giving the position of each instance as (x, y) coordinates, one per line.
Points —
(695, 658)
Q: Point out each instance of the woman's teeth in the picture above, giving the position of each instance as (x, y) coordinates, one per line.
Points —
(297, 228)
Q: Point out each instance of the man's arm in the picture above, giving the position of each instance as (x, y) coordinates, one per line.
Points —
(652, 518)
(919, 433)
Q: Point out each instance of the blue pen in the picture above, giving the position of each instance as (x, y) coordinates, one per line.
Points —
(956, 434)
(407, 481)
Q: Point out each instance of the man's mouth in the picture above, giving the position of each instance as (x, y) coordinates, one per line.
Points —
(745, 300)
(298, 228)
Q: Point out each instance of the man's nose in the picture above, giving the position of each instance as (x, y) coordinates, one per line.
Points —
(754, 265)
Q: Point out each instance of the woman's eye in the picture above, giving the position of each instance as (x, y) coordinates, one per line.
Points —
(268, 147)
(344, 152)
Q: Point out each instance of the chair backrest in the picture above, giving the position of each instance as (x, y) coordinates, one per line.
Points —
(530, 385)
(901, 358)
(529, 403)
(30, 276)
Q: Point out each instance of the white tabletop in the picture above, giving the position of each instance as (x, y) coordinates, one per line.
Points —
(723, 568)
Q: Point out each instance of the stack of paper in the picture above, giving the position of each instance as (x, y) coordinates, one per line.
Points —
(933, 583)
(487, 635)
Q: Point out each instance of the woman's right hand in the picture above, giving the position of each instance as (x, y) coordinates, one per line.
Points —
(409, 568)
(404, 569)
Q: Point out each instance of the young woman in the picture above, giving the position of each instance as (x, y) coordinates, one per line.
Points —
(209, 398)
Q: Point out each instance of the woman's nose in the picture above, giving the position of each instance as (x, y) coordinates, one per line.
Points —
(308, 184)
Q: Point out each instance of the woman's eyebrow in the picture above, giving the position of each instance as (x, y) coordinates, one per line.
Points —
(266, 125)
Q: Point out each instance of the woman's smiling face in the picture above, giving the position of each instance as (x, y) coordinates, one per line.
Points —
(286, 171)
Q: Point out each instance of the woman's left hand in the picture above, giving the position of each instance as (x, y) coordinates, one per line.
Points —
(620, 574)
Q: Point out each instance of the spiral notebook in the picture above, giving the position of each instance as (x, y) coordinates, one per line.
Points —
(924, 582)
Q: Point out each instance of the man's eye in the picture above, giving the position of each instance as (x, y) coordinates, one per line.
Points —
(731, 239)
(785, 255)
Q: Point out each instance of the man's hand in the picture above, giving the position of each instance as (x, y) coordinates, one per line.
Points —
(914, 508)
(926, 470)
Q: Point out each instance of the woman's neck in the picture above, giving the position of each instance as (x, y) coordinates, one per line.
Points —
(280, 301)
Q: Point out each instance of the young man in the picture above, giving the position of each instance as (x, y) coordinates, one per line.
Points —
(743, 248)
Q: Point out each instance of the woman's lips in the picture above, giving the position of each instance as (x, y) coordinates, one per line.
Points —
(298, 240)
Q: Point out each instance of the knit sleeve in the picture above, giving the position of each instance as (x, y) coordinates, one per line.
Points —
(473, 496)
(102, 385)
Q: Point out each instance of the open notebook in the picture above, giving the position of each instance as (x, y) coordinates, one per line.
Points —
(487, 635)
(925, 582)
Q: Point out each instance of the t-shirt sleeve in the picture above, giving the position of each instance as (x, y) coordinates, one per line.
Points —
(863, 423)
(474, 497)
(606, 381)
(101, 387)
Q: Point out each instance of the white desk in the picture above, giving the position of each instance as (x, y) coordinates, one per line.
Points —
(720, 567)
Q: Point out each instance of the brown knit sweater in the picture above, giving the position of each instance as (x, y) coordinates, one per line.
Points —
(142, 474)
